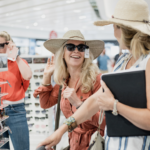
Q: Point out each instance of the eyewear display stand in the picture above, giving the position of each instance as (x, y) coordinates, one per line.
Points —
(3, 140)
(38, 119)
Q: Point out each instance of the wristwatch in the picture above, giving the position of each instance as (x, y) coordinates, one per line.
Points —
(115, 112)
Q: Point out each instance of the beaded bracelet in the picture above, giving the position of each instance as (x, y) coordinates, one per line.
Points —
(71, 123)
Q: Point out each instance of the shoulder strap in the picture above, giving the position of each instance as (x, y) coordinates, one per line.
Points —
(101, 117)
(58, 112)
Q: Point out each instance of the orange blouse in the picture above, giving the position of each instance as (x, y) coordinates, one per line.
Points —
(80, 137)
(18, 83)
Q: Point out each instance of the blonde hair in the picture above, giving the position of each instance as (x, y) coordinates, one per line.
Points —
(6, 36)
(87, 76)
(136, 41)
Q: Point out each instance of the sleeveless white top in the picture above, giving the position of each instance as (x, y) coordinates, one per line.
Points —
(128, 143)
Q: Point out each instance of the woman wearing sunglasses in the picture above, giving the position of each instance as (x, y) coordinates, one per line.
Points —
(18, 75)
(79, 77)
(132, 30)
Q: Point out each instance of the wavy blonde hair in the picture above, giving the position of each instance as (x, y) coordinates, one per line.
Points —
(136, 41)
(6, 36)
(87, 76)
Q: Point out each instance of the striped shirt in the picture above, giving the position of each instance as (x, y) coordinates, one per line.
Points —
(136, 142)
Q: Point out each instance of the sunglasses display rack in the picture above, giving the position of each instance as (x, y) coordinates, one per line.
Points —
(3, 128)
(38, 119)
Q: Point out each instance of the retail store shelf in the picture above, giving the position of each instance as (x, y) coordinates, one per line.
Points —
(4, 118)
(4, 141)
(3, 130)
(3, 106)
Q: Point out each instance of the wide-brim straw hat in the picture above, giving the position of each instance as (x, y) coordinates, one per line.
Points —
(130, 13)
(95, 46)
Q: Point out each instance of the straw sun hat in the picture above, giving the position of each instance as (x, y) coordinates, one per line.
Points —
(130, 13)
(53, 45)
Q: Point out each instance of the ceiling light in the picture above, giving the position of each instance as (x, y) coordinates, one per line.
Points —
(18, 20)
(77, 11)
(70, 1)
(27, 27)
(66, 29)
(37, 8)
(43, 16)
(82, 17)
(35, 24)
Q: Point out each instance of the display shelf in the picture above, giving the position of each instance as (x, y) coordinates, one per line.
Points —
(4, 141)
(4, 118)
(3, 130)
(3, 106)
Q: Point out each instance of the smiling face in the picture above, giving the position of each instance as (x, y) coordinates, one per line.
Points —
(3, 49)
(74, 58)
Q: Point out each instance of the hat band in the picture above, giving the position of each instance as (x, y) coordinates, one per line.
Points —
(77, 37)
(144, 21)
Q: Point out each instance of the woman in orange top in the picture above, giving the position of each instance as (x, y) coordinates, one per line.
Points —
(79, 78)
(18, 75)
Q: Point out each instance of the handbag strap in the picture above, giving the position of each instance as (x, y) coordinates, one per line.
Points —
(58, 112)
(101, 117)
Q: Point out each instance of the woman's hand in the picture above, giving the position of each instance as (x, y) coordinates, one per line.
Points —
(12, 50)
(48, 71)
(105, 99)
(71, 95)
(54, 139)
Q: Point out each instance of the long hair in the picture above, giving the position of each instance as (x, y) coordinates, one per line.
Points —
(136, 41)
(88, 73)
(6, 36)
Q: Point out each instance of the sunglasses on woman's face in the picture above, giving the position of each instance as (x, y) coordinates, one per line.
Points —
(80, 47)
(2, 45)
(36, 76)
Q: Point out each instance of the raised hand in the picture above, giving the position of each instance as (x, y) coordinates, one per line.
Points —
(71, 95)
(12, 50)
(48, 71)
(49, 68)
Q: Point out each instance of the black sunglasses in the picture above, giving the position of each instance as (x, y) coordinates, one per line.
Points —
(80, 47)
(2, 45)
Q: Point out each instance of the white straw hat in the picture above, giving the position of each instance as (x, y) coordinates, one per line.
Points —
(130, 13)
(95, 46)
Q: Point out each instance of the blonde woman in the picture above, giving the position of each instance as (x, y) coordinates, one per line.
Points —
(132, 30)
(18, 75)
(79, 78)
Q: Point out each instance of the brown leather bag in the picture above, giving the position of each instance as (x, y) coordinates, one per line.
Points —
(58, 116)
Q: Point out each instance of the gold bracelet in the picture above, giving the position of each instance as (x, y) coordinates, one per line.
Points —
(46, 84)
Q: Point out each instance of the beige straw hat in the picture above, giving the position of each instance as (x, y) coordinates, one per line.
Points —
(53, 45)
(130, 13)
